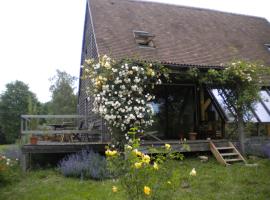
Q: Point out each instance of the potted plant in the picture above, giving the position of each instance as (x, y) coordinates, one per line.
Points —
(33, 139)
(192, 135)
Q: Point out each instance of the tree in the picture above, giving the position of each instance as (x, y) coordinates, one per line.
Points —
(243, 80)
(13, 103)
(64, 101)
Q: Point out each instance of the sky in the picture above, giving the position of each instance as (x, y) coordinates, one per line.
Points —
(39, 36)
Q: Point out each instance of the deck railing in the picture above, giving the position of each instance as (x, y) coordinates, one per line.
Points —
(61, 128)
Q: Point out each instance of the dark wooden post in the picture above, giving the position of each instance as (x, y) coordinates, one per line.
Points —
(25, 161)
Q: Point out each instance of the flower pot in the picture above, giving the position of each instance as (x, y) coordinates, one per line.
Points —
(33, 140)
(192, 135)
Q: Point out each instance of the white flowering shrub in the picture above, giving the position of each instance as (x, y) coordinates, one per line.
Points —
(122, 92)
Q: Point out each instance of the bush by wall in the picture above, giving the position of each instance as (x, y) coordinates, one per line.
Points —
(84, 164)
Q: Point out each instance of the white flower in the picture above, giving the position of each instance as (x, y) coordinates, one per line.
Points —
(193, 172)
(107, 65)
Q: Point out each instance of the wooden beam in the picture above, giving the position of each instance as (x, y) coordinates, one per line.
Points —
(236, 151)
(202, 103)
(268, 129)
(51, 132)
(216, 153)
(206, 104)
(52, 116)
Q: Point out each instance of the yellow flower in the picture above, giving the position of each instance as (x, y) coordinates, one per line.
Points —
(169, 182)
(137, 153)
(146, 159)
(146, 190)
(89, 61)
(114, 189)
(128, 147)
(150, 72)
(193, 172)
(155, 166)
(168, 146)
(138, 165)
(108, 152)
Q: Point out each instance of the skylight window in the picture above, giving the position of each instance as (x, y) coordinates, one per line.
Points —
(267, 46)
(144, 39)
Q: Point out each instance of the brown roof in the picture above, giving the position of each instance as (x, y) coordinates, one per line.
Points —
(183, 35)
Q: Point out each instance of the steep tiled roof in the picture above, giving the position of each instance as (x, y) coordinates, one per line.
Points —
(183, 35)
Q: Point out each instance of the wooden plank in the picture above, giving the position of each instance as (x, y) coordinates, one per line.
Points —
(228, 154)
(25, 161)
(233, 160)
(62, 148)
(268, 129)
(236, 151)
(224, 148)
(206, 104)
(52, 116)
(51, 132)
(216, 153)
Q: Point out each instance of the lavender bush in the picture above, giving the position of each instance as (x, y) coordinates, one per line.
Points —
(84, 164)
(266, 150)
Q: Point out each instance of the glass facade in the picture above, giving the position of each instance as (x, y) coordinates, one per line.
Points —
(174, 111)
(260, 112)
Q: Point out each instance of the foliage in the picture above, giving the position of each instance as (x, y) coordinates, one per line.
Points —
(14, 102)
(121, 91)
(243, 78)
(242, 81)
(213, 181)
(85, 164)
(6, 168)
(142, 176)
(64, 100)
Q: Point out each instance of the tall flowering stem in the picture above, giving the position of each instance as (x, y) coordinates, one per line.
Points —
(122, 92)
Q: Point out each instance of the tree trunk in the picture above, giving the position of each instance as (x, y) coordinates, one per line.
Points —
(241, 134)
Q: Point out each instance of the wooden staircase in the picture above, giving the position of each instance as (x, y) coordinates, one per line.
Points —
(226, 155)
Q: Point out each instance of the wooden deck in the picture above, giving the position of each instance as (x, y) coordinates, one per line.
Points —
(67, 147)
(64, 147)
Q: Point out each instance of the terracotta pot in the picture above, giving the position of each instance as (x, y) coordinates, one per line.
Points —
(192, 136)
(33, 140)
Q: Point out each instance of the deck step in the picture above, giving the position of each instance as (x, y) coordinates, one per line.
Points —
(224, 148)
(229, 154)
(222, 156)
(233, 160)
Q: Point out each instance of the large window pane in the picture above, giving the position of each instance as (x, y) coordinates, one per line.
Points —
(219, 96)
(261, 112)
(174, 111)
(265, 98)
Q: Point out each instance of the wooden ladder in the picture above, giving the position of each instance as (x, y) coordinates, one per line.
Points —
(226, 155)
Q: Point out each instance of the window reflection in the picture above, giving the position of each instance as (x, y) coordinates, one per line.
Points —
(219, 96)
(258, 108)
(174, 111)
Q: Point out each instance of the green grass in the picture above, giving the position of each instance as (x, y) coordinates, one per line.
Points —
(213, 181)
(3, 147)
(6, 146)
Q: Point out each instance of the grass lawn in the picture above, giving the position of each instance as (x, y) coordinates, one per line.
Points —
(213, 181)
(3, 147)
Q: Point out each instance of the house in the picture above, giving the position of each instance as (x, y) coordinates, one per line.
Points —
(179, 37)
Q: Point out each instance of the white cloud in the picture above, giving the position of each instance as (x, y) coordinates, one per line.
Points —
(39, 36)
